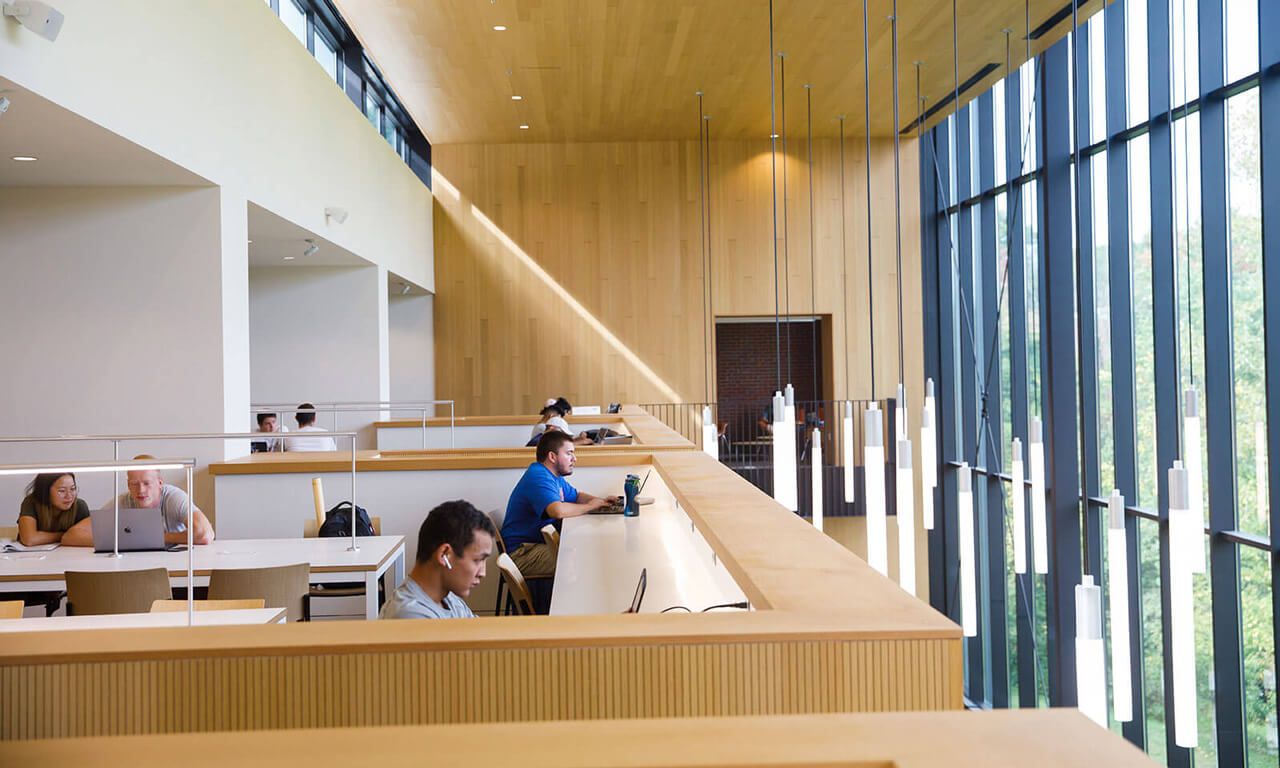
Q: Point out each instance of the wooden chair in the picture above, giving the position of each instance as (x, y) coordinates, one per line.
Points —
(9, 532)
(516, 584)
(551, 537)
(11, 609)
(317, 494)
(284, 586)
(177, 606)
(102, 592)
(497, 517)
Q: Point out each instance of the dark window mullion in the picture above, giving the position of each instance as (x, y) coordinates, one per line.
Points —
(948, 405)
(931, 224)
(991, 535)
(1219, 388)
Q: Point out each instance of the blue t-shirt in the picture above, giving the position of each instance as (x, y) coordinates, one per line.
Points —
(527, 509)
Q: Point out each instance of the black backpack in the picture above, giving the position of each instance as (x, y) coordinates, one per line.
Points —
(337, 522)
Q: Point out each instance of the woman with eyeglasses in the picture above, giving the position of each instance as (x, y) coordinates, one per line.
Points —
(52, 513)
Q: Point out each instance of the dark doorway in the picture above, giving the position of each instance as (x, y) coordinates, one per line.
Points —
(747, 359)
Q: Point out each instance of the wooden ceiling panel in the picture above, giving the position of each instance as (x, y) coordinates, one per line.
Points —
(608, 70)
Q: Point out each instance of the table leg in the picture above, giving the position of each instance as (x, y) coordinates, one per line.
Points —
(371, 596)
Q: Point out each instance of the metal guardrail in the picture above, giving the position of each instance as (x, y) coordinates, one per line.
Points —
(367, 406)
(745, 434)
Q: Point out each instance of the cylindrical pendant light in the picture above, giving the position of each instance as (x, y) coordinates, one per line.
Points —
(846, 437)
(784, 449)
(968, 589)
(900, 413)
(1182, 531)
(928, 456)
(1091, 671)
(1194, 463)
(710, 438)
(906, 519)
(1118, 599)
(927, 484)
(1018, 494)
(1040, 540)
(817, 478)
(873, 482)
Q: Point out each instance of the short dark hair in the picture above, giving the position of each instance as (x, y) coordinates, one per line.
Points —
(564, 406)
(454, 523)
(306, 414)
(549, 411)
(550, 442)
(264, 416)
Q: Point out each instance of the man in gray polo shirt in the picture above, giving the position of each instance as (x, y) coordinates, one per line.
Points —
(454, 543)
(148, 490)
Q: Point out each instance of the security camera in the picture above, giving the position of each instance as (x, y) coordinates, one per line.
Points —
(4, 104)
(311, 248)
(36, 16)
(337, 214)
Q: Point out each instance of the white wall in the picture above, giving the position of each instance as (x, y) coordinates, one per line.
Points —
(115, 311)
(411, 327)
(316, 334)
(223, 89)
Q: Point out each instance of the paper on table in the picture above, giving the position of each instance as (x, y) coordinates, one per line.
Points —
(16, 546)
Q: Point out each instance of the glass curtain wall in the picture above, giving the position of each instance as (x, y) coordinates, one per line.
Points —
(1116, 266)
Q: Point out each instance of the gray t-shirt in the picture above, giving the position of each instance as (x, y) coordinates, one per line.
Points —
(173, 507)
(410, 602)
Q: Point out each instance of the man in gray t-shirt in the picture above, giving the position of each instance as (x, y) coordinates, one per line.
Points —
(454, 544)
(147, 490)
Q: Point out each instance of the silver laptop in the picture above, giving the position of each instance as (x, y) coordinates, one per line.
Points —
(141, 530)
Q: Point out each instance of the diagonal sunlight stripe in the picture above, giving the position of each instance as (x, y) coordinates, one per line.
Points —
(577, 306)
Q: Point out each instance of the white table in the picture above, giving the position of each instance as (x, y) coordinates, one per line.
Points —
(378, 557)
(601, 557)
(143, 620)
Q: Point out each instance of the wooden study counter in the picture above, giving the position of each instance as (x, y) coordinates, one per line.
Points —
(827, 634)
(1050, 738)
(496, 432)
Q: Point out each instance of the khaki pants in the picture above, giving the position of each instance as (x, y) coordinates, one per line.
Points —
(535, 560)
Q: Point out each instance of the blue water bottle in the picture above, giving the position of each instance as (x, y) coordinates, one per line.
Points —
(631, 487)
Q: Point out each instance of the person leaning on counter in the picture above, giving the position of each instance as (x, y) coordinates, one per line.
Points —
(148, 490)
(454, 544)
(53, 513)
(543, 495)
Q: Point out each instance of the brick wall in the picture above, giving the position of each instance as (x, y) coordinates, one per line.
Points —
(746, 364)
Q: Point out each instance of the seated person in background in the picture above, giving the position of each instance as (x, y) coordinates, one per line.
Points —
(267, 422)
(306, 418)
(542, 495)
(548, 412)
(454, 543)
(52, 513)
(147, 490)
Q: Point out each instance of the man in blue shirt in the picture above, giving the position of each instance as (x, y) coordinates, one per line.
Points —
(543, 496)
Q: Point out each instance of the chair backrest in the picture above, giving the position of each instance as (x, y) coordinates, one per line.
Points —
(9, 532)
(175, 606)
(11, 609)
(284, 586)
(497, 517)
(516, 584)
(551, 537)
(100, 592)
(317, 495)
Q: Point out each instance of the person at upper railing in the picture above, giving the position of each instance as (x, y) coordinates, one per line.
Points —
(147, 490)
(306, 418)
(53, 513)
(269, 423)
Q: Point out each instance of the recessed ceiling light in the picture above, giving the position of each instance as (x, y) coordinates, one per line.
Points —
(499, 28)
(524, 127)
(516, 98)
(773, 135)
(250, 242)
(289, 258)
(25, 158)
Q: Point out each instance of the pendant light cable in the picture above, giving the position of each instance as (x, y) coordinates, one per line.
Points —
(866, 104)
(702, 226)
(844, 270)
(786, 252)
(710, 297)
(773, 163)
(813, 256)
(897, 193)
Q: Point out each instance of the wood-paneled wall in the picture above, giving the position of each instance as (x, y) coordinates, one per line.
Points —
(576, 269)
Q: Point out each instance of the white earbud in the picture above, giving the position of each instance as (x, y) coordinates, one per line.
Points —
(447, 564)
